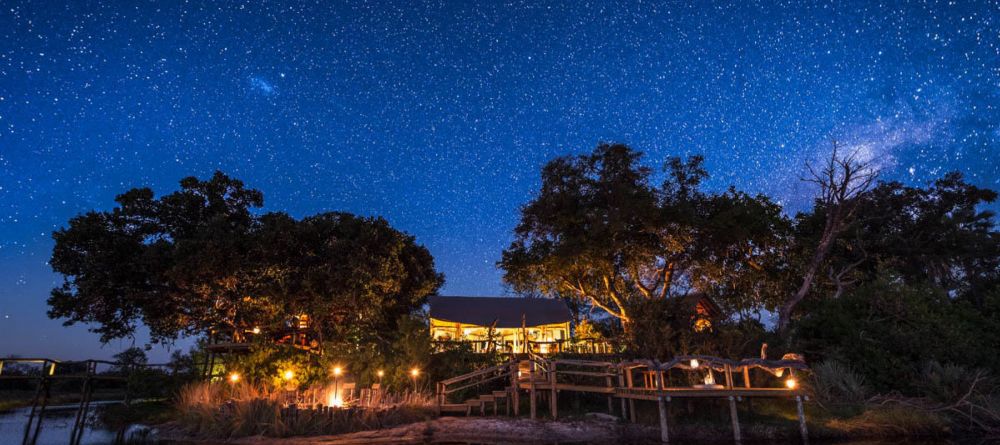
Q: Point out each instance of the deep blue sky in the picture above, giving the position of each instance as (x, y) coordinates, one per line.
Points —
(438, 115)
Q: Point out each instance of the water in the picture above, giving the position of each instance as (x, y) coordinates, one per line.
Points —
(59, 421)
(55, 430)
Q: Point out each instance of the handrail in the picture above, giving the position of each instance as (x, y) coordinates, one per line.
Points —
(91, 366)
(585, 345)
(472, 374)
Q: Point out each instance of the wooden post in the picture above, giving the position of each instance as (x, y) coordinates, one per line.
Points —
(746, 377)
(88, 395)
(553, 401)
(611, 397)
(41, 412)
(516, 387)
(735, 418)
(80, 420)
(34, 405)
(631, 401)
(662, 406)
(802, 420)
(621, 384)
(438, 396)
(506, 407)
(531, 390)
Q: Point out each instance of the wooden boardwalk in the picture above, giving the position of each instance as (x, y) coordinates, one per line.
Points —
(45, 372)
(628, 382)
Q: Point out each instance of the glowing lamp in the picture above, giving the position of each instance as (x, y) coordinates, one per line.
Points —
(234, 377)
(414, 372)
(337, 370)
(256, 330)
(380, 373)
(288, 375)
(335, 401)
(791, 383)
(694, 363)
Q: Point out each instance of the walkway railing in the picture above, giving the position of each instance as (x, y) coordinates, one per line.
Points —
(49, 371)
(575, 346)
(694, 376)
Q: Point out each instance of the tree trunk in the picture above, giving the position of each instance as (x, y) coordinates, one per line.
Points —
(786, 309)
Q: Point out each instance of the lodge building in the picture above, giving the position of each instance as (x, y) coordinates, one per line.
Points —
(522, 325)
(509, 324)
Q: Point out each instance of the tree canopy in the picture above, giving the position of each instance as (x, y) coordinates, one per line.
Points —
(604, 234)
(600, 231)
(201, 258)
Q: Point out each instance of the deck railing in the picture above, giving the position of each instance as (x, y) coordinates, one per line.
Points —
(573, 346)
(538, 375)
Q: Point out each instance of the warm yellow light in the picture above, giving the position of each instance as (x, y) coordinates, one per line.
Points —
(337, 371)
(234, 377)
(256, 330)
(288, 375)
(694, 363)
(380, 373)
(335, 401)
(791, 383)
(414, 372)
(702, 325)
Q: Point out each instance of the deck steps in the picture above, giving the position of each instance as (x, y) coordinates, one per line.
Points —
(459, 408)
(480, 403)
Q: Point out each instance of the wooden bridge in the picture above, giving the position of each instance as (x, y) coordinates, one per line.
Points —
(48, 371)
(629, 382)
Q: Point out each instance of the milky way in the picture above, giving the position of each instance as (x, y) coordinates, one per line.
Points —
(438, 116)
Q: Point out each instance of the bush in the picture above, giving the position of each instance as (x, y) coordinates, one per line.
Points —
(887, 329)
(837, 386)
(949, 384)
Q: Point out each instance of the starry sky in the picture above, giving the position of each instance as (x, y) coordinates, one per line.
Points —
(438, 115)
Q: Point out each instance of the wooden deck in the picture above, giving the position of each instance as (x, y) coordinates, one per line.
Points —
(628, 382)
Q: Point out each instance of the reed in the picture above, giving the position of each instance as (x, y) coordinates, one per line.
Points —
(214, 411)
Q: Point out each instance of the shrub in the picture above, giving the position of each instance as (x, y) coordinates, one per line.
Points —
(949, 384)
(887, 329)
(838, 386)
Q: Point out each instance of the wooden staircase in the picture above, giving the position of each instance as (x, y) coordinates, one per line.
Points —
(488, 380)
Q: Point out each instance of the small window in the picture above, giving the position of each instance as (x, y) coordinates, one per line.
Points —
(702, 325)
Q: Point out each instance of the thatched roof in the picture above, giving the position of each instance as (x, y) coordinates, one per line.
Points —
(506, 311)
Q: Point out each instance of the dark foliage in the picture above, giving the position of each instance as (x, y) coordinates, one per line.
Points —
(200, 259)
(601, 233)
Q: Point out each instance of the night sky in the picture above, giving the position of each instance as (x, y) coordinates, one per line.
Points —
(439, 115)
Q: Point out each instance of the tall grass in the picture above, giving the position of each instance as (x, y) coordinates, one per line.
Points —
(215, 411)
(891, 421)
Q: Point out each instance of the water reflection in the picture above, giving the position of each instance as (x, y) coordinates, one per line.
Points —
(55, 430)
(59, 421)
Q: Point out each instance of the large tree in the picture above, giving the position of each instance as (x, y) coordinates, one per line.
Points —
(200, 259)
(601, 232)
(941, 235)
(842, 180)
